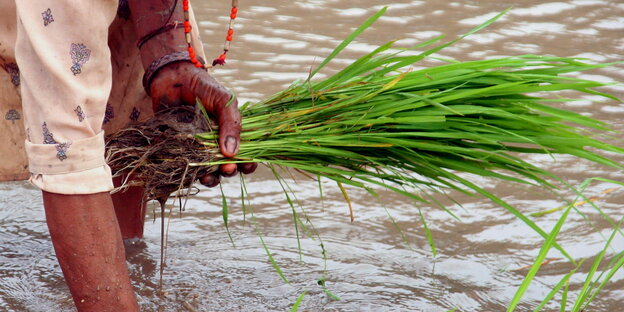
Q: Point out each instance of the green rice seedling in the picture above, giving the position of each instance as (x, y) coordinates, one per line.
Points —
(592, 285)
(380, 123)
(295, 306)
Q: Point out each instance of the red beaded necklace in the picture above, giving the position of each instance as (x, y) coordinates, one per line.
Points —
(228, 39)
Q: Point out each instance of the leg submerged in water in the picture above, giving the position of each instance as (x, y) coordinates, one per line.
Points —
(130, 209)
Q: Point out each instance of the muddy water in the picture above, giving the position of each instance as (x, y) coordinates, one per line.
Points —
(370, 266)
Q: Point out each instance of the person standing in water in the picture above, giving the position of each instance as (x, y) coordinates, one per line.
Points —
(71, 71)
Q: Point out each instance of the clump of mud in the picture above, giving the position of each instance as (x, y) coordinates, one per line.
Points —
(156, 154)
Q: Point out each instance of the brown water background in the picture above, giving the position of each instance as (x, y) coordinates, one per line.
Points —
(480, 258)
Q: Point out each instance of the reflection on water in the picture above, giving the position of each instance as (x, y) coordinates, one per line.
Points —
(369, 264)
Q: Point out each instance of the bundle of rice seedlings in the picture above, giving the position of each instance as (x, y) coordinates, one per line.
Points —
(379, 123)
(155, 154)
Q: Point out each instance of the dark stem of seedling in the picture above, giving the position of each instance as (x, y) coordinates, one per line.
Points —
(162, 201)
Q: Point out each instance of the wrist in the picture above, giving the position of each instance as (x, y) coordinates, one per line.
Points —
(160, 47)
(152, 70)
(164, 31)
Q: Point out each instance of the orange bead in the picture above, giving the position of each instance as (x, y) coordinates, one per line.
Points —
(233, 16)
(230, 32)
(234, 11)
(228, 38)
(199, 65)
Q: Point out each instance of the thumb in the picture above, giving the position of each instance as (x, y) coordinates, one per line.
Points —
(229, 119)
(224, 106)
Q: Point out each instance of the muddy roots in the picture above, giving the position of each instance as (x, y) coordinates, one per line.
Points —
(156, 154)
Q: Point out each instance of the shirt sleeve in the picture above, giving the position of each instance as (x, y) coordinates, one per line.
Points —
(65, 70)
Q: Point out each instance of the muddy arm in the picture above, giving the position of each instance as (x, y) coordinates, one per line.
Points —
(89, 249)
(180, 83)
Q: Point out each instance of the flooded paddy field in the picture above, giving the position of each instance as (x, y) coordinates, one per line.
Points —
(481, 259)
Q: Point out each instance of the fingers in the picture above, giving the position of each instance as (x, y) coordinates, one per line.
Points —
(218, 102)
(228, 117)
(228, 170)
(210, 180)
(182, 82)
(247, 168)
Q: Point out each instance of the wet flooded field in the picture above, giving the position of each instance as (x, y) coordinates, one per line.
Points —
(371, 266)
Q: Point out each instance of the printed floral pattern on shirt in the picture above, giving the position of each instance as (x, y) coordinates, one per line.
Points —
(61, 150)
(13, 71)
(12, 115)
(80, 54)
(79, 113)
(47, 17)
(134, 116)
(48, 137)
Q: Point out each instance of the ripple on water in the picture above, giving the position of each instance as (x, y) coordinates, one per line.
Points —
(544, 9)
(613, 23)
(480, 256)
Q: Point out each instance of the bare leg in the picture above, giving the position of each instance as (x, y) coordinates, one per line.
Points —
(88, 246)
(130, 208)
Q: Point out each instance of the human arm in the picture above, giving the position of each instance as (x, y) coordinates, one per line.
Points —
(180, 82)
(89, 249)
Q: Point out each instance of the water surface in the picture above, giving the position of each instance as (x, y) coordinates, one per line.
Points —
(480, 258)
